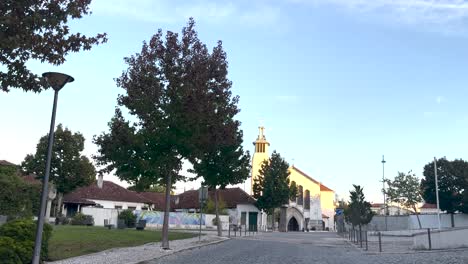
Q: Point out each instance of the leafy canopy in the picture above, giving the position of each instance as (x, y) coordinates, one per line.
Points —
(359, 210)
(271, 187)
(404, 190)
(38, 30)
(69, 168)
(452, 180)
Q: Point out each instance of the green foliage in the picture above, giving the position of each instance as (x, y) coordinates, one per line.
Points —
(152, 188)
(82, 219)
(210, 207)
(452, 180)
(8, 253)
(38, 30)
(23, 232)
(359, 210)
(17, 197)
(271, 188)
(69, 169)
(128, 217)
(404, 190)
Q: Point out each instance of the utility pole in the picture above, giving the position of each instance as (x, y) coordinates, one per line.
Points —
(437, 190)
(383, 190)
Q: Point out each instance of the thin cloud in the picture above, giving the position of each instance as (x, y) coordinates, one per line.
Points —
(440, 99)
(449, 16)
(166, 11)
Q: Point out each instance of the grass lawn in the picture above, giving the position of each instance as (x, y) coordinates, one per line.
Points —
(70, 241)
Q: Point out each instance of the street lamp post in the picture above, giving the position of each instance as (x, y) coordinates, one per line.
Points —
(56, 81)
(437, 190)
(383, 190)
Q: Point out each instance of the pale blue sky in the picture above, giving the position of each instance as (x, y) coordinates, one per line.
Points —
(336, 83)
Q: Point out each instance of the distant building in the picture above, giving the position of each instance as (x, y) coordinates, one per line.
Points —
(314, 208)
(428, 208)
(378, 209)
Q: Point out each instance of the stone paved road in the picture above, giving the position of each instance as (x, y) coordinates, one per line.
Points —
(276, 248)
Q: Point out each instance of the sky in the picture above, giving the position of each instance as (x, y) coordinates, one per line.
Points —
(336, 83)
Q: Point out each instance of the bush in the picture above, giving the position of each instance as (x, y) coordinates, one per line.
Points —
(17, 241)
(82, 219)
(128, 217)
(62, 220)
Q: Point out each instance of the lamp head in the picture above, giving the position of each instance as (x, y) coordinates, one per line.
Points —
(57, 80)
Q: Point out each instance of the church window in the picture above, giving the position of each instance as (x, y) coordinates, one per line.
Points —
(307, 199)
(300, 196)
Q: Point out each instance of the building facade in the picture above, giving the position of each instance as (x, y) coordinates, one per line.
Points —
(314, 207)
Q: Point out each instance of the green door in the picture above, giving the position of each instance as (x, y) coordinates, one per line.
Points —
(253, 221)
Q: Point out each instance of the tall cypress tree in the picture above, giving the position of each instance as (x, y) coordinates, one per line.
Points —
(271, 187)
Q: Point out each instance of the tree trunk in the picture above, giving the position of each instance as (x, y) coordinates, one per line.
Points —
(417, 216)
(167, 209)
(218, 222)
(452, 220)
(58, 212)
(273, 220)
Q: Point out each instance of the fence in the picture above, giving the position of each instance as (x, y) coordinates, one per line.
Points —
(404, 241)
(242, 230)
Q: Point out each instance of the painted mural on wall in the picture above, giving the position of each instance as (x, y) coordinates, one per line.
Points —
(175, 218)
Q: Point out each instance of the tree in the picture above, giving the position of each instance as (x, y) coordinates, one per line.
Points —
(359, 210)
(451, 177)
(210, 207)
(405, 190)
(69, 168)
(17, 197)
(271, 187)
(221, 163)
(165, 90)
(153, 188)
(38, 30)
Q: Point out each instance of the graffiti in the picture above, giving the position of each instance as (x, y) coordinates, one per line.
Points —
(175, 218)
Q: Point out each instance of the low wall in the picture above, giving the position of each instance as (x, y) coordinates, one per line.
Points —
(154, 219)
(445, 239)
(99, 214)
(410, 222)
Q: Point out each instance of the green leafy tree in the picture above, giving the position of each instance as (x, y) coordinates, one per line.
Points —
(221, 163)
(165, 87)
(38, 30)
(359, 210)
(271, 187)
(17, 197)
(405, 190)
(210, 207)
(153, 188)
(451, 177)
(69, 168)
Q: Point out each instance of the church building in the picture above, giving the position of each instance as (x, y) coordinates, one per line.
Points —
(313, 209)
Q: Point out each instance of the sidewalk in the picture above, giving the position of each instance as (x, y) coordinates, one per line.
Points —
(141, 253)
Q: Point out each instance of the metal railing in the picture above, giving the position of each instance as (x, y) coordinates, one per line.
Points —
(242, 230)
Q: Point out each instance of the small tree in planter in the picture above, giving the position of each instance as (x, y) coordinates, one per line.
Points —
(128, 217)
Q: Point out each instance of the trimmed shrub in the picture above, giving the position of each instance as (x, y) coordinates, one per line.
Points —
(82, 219)
(128, 217)
(19, 235)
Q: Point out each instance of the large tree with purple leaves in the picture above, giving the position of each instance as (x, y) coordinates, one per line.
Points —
(175, 96)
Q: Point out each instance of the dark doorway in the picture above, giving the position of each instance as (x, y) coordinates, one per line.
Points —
(252, 221)
(293, 225)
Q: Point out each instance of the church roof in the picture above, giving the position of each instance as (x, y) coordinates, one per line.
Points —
(323, 188)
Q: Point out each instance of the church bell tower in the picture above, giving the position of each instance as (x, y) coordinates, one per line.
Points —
(261, 154)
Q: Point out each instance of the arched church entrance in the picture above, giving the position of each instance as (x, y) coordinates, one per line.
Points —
(293, 225)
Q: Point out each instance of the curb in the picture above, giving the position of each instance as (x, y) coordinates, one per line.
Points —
(185, 249)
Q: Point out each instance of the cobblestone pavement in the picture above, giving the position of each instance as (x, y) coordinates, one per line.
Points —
(314, 247)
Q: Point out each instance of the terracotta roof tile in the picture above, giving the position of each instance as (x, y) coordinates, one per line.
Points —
(6, 163)
(110, 191)
(429, 206)
(231, 196)
(322, 187)
(157, 199)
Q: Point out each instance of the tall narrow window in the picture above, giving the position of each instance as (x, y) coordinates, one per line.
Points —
(300, 196)
(307, 199)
